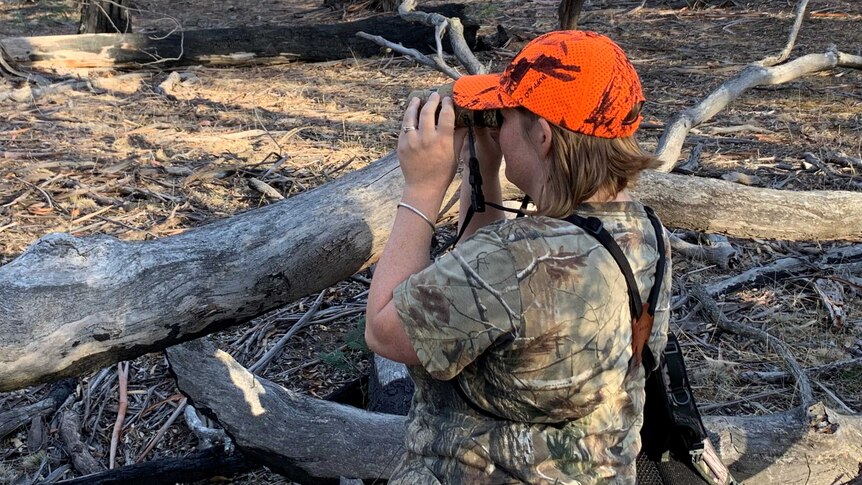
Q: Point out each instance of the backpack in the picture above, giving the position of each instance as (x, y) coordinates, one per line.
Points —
(675, 447)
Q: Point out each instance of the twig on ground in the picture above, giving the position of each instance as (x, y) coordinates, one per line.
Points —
(835, 397)
(719, 253)
(462, 52)
(815, 160)
(164, 429)
(70, 433)
(12, 419)
(773, 377)
(207, 436)
(712, 407)
(832, 295)
(123, 375)
(264, 188)
(276, 349)
(771, 272)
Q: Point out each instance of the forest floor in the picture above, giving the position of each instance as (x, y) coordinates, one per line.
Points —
(129, 159)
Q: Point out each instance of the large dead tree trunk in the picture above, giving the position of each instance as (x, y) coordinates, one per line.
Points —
(313, 438)
(73, 305)
(227, 46)
(101, 300)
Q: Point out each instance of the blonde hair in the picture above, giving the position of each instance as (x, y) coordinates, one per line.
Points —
(582, 166)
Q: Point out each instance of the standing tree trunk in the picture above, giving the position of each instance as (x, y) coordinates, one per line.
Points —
(105, 16)
(569, 12)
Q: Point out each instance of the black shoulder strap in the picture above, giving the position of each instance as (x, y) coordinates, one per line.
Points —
(594, 226)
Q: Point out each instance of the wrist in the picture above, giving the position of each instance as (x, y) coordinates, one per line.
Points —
(424, 196)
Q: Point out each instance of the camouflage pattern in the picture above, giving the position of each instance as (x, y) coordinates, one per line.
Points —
(531, 315)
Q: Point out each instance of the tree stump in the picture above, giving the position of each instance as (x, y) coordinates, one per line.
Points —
(105, 17)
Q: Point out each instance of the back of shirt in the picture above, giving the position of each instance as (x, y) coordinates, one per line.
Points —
(532, 317)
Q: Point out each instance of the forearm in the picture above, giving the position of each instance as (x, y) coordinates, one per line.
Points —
(406, 252)
(493, 193)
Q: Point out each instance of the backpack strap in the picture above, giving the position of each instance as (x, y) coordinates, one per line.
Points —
(643, 314)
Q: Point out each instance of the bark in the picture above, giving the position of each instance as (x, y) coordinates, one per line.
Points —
(105, 16)
(229, 46)
(308, 440)
(325, 440)
(101, 300)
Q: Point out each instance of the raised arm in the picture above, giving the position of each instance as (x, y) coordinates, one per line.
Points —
(427, 156)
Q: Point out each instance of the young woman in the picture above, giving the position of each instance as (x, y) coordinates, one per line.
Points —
(520, 340)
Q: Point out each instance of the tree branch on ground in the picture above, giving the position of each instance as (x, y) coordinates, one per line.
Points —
(671, 141)
(791, 39)
(454, 27)
(710, 309)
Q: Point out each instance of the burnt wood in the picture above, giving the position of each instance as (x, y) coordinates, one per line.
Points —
(199, 465)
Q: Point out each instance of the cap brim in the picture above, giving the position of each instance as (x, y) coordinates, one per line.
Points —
(481, 92)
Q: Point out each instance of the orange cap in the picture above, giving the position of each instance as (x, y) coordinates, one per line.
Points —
(576, 79)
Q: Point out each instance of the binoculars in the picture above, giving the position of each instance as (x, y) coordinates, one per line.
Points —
(491, 118)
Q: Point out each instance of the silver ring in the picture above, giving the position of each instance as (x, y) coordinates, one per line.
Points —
(408, 128)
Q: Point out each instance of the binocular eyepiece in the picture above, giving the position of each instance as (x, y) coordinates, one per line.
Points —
(491, 118)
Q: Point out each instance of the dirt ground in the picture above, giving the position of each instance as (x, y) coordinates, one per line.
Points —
(126, 158)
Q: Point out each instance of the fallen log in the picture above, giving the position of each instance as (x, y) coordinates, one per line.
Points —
(308, 440)
(324, 439)
(715, 206)
(112, 300)
(101, 301)
(227, 46)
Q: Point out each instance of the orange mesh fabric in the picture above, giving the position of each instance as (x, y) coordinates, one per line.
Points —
(578, 80)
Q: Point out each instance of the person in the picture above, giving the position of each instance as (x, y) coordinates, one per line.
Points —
(519, 340)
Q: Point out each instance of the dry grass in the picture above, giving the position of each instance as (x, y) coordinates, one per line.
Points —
(128, 160)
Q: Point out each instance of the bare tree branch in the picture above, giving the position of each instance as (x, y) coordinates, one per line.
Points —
(407, 11)
(435, 63)
(671, 141)
(791, 40)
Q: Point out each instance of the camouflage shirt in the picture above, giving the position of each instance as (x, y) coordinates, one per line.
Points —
(531, 315)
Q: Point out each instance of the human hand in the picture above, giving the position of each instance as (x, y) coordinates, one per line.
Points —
(487, 149)
(425, 148)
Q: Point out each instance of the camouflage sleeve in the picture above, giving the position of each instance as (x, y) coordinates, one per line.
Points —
(456, 308)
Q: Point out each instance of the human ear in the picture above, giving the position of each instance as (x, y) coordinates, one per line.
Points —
(543, 137)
